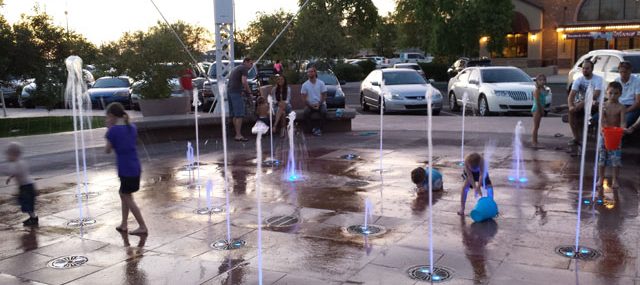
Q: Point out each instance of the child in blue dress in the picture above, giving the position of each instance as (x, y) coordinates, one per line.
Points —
(539, 101)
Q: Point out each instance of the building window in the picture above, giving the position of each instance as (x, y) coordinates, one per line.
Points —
(623, 43)
(516, 46)
(582, 47)
(603, 10)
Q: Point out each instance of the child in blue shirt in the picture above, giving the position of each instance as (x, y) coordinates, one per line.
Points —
(420, 177)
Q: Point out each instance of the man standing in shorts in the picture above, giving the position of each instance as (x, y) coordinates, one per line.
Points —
(238, 86)
(577, 97)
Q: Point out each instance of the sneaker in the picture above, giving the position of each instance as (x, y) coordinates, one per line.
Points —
(319, 132)
(30, 222)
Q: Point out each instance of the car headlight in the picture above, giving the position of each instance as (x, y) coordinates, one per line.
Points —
(502, 93)
(437, 95)
(122, 93)
(392, 96)
(339, 93)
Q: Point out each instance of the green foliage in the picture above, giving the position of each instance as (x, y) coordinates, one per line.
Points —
(155, 56)
(293, 77)
(7, 47)
(348, 72)
(435, 71)
(12, 127)
(264, 29)
(367, 66)
(386, 36)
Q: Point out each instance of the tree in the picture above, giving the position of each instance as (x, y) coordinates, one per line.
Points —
(155, 55)
(264, 29)
(386, 36)
(7, 47)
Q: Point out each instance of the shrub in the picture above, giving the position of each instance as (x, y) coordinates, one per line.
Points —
(367, 66)
(348, 72)
(435, 71)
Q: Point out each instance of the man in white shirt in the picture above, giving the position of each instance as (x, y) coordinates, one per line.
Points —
(577, 97)
(314, 93)
(630, 92)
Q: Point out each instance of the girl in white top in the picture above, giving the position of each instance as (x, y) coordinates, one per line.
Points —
(281, 94)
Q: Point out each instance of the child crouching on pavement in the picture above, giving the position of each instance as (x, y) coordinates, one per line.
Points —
(19, 170)
(420, 177)
(474, 168)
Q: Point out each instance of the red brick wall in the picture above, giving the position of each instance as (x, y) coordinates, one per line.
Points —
(554, 15)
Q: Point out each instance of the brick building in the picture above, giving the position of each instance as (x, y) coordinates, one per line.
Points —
(557, 32)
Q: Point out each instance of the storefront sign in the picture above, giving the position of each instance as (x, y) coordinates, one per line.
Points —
(603, 35)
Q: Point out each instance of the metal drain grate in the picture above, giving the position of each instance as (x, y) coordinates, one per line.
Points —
(77, 223)
(68, 262)
(369, 230)
(356, 183)
(87, 195)
(584, 253)
(207, 211)
(422, 273)
(281, 221)
(350, 156)
(224, 244)
(272, 163)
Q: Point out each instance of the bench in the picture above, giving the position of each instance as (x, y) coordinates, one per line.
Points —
(154, 129)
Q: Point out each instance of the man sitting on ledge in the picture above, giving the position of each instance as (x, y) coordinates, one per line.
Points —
(314, 93)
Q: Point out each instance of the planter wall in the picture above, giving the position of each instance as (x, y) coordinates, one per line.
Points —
(168, 106)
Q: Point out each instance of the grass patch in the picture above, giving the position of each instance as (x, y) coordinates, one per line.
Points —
(13, 127)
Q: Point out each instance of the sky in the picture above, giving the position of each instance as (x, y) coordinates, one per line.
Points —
(102, 21)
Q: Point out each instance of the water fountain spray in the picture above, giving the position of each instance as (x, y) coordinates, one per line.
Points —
(518, 173)
(190, 161)
(196, 103)
(76, 93)
(429, 98)
(588, 102)
(598, 145)
(368, 214)
(465, 100)
(290, 173)
(222, 90)
(381, 107)
(271, 161)
(259, 129)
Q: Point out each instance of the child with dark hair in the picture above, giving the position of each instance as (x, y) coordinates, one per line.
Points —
(474, 169)
(19, 170)
(121, 137)
(262, 110)
(420, 178)
(539, 101)
(613, 115)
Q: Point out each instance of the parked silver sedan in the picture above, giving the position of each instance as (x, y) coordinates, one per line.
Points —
(401, 90)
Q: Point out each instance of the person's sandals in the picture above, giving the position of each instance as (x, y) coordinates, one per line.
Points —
(121, 229)
(243, 139)
(139, 232)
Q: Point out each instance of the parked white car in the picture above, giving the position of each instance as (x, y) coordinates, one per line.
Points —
(411, 57)
(493, 90)
(605, 64)
(413, 66)
(401, 90)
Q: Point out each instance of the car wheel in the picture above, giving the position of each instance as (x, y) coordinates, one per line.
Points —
(364, 105)
(435, 112)
(453, 102)
(483, 107)
(383, 105)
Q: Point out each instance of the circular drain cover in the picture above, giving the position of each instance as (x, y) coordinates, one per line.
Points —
(350, 156)
(357, 183)
(270, 162)
(207, 211)
(422, 273)
(281, 221)
(77, 223)
(87, 195)
(369, 230)
(68, 262)
(224, 244)
(584, 253)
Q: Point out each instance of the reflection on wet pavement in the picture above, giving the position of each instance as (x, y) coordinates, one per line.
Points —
(515, 248)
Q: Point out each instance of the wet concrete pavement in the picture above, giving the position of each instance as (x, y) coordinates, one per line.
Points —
(516, 248)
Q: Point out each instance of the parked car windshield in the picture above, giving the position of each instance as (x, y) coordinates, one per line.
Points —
(328, 79)
(635, 62)
(409, 66)
(504, 75)
(400, 78)
(213, 73)
(111, 83)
